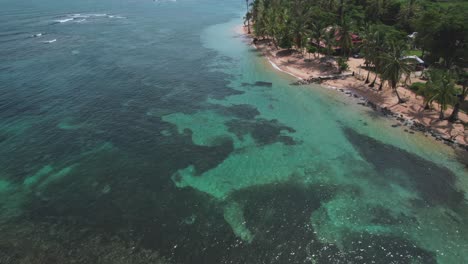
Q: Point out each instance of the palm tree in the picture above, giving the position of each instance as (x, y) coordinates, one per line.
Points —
(407, 11)
(300, 20)
(329, 39)
(366, 48)
(394, 66)
(376, 62)
(330, 4)
(273, 23)
(341, 11)
(342, 64)
(428, 93)
(283, 22)
(344, 39)
(248, 16)
(462, 80)
(375, 9)
(316, 33)
(311, 49)
(443, 85)
(376, 48)
(258, 18)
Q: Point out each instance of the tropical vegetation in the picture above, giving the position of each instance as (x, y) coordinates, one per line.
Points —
(442, 87)
(388, 32)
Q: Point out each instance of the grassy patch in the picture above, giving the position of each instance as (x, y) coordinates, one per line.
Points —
(417, 87)
(414, 53)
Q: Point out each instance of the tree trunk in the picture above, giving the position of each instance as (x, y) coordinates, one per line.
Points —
(368, 75)
(398, 95)
(274, 42)
(456, 108)
(373, 82)
(299, 41)
(427, 106)
(441, 115)
(340, 11)
(454, 116)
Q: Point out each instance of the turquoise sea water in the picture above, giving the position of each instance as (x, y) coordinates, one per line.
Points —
(147, 123)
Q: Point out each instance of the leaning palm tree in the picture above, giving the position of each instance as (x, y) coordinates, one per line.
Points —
(394, 66)
(428, 93)
(462, 94)
(377, 62)
(443, 85)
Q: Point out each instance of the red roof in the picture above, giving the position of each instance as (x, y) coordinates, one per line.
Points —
(354, 37)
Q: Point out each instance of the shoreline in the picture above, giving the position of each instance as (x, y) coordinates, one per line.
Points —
(281, 70)
(410, 114)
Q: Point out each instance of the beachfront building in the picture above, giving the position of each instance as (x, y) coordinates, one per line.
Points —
(336, 49)
(417, 62)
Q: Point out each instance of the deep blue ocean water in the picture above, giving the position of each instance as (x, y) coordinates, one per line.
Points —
(148, 132)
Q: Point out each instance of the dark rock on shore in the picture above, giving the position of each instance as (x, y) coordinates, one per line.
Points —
(320, 79)
(407, 122)
(258, 84)
(413, 126)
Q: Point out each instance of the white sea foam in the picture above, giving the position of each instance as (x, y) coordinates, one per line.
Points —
(49, 41)
(279, 69)
(37, 35)
(114, 16)
(64, 20)
(97, 15)
(78, 16)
